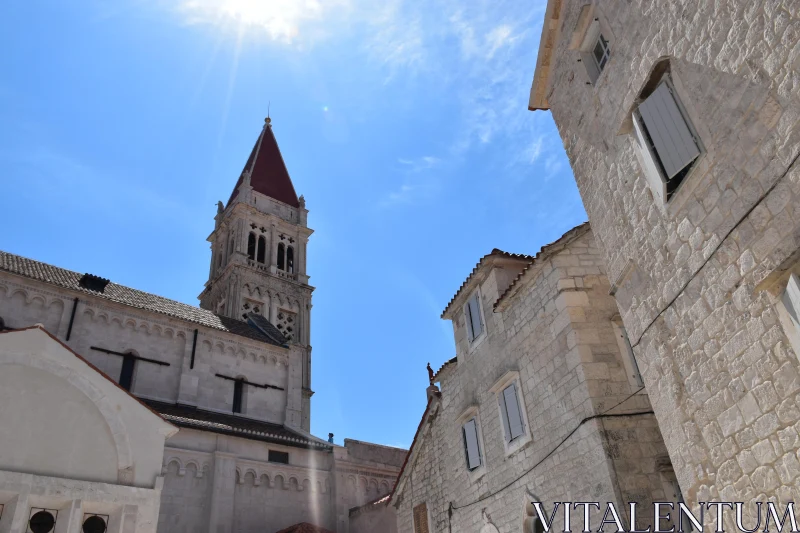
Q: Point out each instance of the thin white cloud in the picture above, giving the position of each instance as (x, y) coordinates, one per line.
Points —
(418, 183)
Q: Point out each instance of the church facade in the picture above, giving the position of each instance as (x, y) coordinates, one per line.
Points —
(233, 375)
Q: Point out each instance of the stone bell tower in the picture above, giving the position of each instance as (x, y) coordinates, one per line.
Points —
(258, 254)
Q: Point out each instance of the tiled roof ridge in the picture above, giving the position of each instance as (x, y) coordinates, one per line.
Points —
(496, 252)
(547, 249)
(69, 279)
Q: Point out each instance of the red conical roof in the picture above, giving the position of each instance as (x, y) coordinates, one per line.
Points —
(268, 174)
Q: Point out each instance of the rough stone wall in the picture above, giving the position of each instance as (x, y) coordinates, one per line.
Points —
(382, 519)
(718, 366)
(426, 482)
(556, 332)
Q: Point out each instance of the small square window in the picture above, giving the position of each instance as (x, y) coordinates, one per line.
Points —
(594, 48)
(278, 457)
(601, 52)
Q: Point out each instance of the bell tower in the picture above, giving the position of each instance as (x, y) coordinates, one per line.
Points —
(258, 256)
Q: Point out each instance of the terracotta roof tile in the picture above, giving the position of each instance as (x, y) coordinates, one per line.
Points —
(494, 253)
(68, 279)
(546, 250)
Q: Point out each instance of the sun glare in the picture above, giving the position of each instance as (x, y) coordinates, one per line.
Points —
(282, 19)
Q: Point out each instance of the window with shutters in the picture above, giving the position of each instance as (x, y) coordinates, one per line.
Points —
(469, 425)
(421, 522)
(472, 449)
(628, 357)
(789, 311)
(512, 413)
(667, 143)
(473, 316)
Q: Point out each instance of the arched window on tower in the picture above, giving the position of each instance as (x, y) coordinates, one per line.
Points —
(290, 260)
(262, 248)
(230, 248)
(281, 258)
(251, 246)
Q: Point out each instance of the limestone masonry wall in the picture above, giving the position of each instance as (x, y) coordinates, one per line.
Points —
(698, 280)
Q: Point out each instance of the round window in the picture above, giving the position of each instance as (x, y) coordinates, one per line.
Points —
(42, 522)
(94, 524)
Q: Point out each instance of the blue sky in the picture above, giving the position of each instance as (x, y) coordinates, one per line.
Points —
(404, 123)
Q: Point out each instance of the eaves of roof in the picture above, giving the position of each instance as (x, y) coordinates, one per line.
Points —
(546, 251)
(547, 43)
(494, 254)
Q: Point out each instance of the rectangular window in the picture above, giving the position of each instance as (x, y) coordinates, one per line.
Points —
(238, 392)
(511, 414)
(278, 457)
(471, 446)
(472, 314)
(628, 358)
(421, 519)
(126, 375)
(666, 139)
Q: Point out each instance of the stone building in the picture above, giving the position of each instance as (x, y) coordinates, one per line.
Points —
(542, 402)
(680, 121)
(234, 375)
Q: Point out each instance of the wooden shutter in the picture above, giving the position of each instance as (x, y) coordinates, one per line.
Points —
(470, 432)
(421, 518)
(672, 138)
(651, 172)
(515, 426)
(791, 299)
(501, 398)
(475, 315)
(468, 320)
